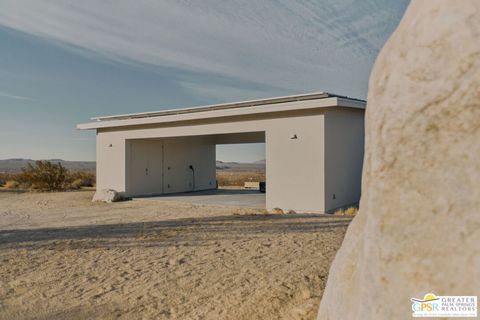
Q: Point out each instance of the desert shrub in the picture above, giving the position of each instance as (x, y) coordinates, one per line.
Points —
(12, 184)
(232, 178)
(76, 184)
(4, 177)
(45, 176)
(82, 179)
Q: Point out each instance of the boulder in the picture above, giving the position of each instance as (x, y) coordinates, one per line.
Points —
(106, 195)
(418, 227)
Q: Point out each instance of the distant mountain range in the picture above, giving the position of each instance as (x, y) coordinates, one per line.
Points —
(16, 165)
(239, 166)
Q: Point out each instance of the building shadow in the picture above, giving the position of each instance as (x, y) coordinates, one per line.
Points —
(191, 231)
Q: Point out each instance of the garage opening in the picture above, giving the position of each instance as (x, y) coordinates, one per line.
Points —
(241, 166)
(241, 161)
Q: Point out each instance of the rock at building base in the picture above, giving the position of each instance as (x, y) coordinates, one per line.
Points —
(106, 195)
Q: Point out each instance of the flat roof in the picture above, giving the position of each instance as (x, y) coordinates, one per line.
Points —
(288, 103)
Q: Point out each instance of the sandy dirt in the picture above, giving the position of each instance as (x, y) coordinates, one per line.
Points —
(63, 257)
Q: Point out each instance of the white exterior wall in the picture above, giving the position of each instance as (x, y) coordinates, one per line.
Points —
(344, 144)
(111, 162)
(295, 176)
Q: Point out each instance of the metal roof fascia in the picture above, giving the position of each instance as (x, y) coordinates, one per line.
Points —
(233, 105)
(267, 108)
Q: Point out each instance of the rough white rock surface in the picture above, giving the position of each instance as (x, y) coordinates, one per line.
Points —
(106, 195)
(418, 229)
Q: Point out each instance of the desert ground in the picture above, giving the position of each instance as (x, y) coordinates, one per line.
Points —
(63, 257)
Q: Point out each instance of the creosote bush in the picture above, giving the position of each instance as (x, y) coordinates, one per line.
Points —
(45, 176)
(81, 179)
(4, 177)
(11, 184)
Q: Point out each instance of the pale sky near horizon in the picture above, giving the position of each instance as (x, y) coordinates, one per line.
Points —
(63, 62)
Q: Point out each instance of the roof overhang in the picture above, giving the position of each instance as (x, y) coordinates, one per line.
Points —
(262, 106)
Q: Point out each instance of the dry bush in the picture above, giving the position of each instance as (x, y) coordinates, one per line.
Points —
(12, 184)
(76, 184)
(4, 177)
(351, 211)
(80, 179)
(45, 176)
(234, 178)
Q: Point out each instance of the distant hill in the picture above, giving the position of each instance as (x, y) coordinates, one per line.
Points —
(239, 166)
(16, 165)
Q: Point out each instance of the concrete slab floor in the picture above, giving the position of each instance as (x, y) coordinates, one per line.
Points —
(224, 197)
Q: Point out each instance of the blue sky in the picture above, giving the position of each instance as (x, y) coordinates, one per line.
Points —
(62, 62)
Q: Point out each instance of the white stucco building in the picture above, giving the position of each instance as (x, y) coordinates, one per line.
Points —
(313, 148)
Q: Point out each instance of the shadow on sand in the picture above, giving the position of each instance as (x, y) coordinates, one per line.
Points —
(191, 231)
